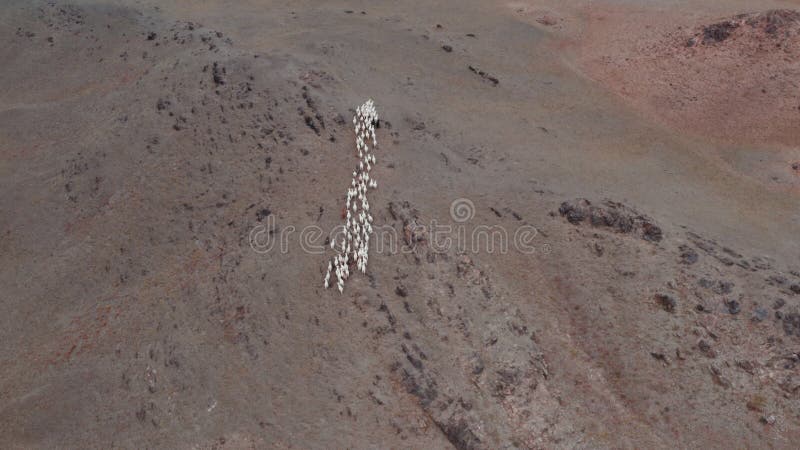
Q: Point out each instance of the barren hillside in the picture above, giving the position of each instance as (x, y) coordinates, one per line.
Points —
(615, 185)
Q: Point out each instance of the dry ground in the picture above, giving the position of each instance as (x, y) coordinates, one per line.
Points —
(141, 142)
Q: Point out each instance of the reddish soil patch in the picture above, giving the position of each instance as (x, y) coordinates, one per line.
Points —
(734, 80)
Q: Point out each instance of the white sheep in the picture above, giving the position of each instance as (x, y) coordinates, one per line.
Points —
(355, 245)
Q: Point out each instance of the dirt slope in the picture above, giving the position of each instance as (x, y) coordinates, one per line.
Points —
(655, 302)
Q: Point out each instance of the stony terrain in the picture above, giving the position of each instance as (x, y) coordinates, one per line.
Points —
(655, 302)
